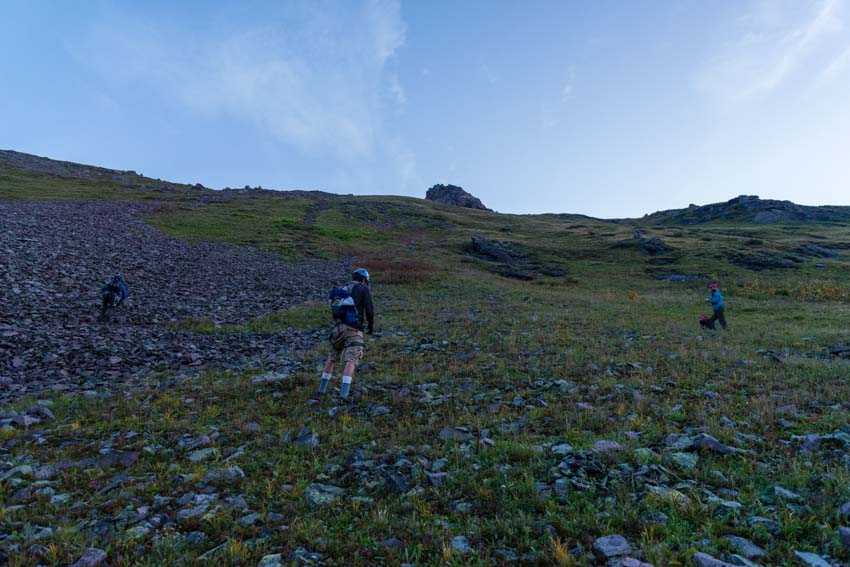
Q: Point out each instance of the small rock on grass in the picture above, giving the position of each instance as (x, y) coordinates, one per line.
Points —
(785, 494)
(844, 511)
(275, 560)
(745, 547)
(706, 560)
(628, 562)
(461, 544)
(812, 559)
(609, 547)
(92, 557)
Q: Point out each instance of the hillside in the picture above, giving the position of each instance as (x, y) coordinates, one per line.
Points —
(536, 383)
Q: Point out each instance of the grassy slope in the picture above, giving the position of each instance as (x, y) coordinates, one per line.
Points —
(625, 343)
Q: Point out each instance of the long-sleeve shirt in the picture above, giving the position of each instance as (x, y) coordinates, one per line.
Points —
(119, 291)
(363, 302)
(716, 300)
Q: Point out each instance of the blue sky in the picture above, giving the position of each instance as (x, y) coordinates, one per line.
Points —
(608, 108)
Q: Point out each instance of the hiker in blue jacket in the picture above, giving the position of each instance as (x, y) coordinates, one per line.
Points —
(716, 301)
(113, 294)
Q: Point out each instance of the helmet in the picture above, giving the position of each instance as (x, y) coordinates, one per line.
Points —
(360, 272)
(117, 278)
(713, 286)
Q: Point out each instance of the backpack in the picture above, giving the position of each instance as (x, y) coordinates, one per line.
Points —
(342, 306)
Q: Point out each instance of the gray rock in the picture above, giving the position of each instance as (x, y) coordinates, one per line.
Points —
(200, 455)
(229, 476)
(685, 461)
(92, 557)
(609, 547)
(706, 560)
(561, 449)
(766, 523)
(603, 446)
(318, 494)
(786, 494)
(812, 559)
(747, 548)
(844, 511)
(436, 478)
(627, 562)
(307, 438)
(275, 560)
(454, 434)
(461, 545)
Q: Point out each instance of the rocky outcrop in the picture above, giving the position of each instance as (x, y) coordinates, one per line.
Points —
(750, 208)
(513, 263)
(454, 195)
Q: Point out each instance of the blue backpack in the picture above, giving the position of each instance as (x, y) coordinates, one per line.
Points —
(342, 305)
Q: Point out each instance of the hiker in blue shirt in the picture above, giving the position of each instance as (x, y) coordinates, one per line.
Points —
(716, 301)
(113, 294)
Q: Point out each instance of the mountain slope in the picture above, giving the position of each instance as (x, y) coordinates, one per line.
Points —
(531, 387)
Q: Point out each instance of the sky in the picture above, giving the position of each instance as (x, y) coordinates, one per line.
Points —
(606, 108)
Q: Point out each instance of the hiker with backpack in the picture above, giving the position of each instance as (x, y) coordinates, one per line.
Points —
(351, 307)
(112, 294)
(716, 301)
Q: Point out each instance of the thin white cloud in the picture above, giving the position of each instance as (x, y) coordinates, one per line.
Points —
(313, 76)
(769, 47)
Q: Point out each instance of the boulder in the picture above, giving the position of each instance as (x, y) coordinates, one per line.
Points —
(454, 195)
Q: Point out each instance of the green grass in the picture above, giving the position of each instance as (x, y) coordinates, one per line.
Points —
(309, 316)
(523, 364)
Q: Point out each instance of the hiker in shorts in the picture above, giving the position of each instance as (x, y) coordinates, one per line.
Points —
(352, 310)
(716, 301)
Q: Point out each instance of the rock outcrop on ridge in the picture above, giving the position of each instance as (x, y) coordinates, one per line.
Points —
(454, 195)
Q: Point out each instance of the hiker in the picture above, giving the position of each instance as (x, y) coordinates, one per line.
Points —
(113, 294)
(716, 301)
(352, 310)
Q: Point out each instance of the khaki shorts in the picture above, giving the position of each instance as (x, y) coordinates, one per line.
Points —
(346, 344)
